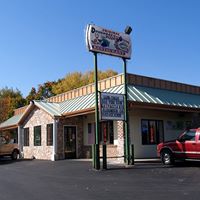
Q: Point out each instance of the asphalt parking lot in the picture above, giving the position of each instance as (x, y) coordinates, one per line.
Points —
(76, 180)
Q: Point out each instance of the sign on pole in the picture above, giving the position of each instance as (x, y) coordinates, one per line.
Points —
(108, 42)
(111, 106)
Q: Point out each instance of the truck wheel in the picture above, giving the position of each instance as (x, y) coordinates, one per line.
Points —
(167, 157)
(14, 155)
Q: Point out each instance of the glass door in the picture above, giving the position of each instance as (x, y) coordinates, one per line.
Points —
(70, 141)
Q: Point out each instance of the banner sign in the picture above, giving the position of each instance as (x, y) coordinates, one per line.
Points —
(109, 42)
(111, 106)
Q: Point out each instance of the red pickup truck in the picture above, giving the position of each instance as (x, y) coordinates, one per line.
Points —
(186, 146)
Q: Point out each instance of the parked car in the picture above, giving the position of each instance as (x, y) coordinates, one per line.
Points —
(186, 146)
(9, 148)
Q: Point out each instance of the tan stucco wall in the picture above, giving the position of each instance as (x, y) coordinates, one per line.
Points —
(38, 117)
(136, 115)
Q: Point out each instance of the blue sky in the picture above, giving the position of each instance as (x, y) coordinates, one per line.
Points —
(43, 40)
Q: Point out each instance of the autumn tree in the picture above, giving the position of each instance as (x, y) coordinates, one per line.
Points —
(44, 91)
(9, 100)
(78, 79)
(31, 96)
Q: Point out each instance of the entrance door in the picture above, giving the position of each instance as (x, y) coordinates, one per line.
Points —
(70, 141)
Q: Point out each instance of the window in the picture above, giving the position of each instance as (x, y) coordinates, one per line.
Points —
(152, 131)
(37, 136)
(49, 134)
(188, 136)
(26, 137)
(106, 134)
(91, 133)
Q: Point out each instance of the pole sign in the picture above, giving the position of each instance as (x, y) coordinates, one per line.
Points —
(111, 106)
(108, 42)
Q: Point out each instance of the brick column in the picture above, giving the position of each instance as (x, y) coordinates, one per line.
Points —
(120, 146)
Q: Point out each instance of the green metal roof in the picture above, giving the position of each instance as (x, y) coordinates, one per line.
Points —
(164, 97)
(52, 108)
(79, 103)
(135, 94)
(13, 121)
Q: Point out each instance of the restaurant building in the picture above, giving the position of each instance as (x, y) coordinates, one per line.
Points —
(63, 126)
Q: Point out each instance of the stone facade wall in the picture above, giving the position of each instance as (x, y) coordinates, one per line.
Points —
(75, 121)
(111, 151)
(114, 151)
(87, 151)
(120, 146)
(38, 117)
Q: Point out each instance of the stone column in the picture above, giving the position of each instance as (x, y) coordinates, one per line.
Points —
(120, 146)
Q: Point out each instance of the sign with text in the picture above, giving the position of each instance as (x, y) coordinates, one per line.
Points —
(108, 42)
(111, 106)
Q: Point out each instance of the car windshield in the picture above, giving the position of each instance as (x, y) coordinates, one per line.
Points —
(188, 136)
(2, 140)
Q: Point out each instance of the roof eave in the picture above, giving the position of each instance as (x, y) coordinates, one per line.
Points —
(162, 106)
(8, 127)
(80, 112)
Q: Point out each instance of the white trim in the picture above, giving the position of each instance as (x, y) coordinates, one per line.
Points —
(186, 152)
(54, 152)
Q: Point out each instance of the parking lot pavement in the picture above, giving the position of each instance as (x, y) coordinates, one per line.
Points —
(74, 180)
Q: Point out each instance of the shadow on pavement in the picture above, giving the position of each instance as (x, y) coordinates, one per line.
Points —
(187, 164)
(153, 165)
(7, 160)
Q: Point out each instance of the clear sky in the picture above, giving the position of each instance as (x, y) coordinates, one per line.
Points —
(43, 40)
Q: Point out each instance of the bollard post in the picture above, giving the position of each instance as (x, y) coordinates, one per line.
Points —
(132, 161)
(104, 156)
(93, 156)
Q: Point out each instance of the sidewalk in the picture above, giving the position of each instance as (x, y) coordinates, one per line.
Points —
(113, 163)
(139, 160)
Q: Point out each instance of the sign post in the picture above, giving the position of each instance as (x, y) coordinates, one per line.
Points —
(126, 121)
(96, 158)
(113, 106)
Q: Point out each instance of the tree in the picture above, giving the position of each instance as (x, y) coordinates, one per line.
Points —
(45, 91)
(78, 79)
(9, 100)
(31, 96)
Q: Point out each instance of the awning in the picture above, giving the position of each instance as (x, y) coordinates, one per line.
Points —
(11, 122)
